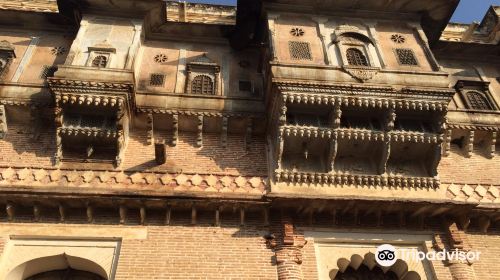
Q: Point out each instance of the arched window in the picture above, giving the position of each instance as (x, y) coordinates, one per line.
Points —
(478, 101)
(100, 61)
(65, 274)
(202, 84)
(356, 57)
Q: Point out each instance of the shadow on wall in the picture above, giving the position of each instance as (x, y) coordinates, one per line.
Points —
(187, 157)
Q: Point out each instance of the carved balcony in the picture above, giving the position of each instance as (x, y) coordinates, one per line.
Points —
(358, 135)
(92, 115)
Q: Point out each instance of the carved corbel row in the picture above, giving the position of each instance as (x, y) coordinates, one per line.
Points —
(87, 99)
(150, 129)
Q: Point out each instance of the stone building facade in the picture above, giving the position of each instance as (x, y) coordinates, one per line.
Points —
(284, 139)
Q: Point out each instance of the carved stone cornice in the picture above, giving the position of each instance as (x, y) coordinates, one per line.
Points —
(43, 6)
(196, 113)
(364, 101)
(89, 132)
(473, 127)
(437, 94)
(80, 86)
(351, 179)
(158, 181)
(361, 73)
(474, 193)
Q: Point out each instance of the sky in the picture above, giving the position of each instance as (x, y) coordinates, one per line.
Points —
(467, 12)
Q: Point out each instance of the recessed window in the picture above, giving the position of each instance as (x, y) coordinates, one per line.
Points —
(478, 101)
(299, 50)
(100, 61)
(245, 86)
(202, 84)
(406, 57)
(157, 80)
(356, 57)
(47, 71)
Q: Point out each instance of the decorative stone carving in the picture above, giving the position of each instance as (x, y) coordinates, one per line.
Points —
(58, 50)
(161, 58)
(398, 38)
(297, 32)
(361, 73)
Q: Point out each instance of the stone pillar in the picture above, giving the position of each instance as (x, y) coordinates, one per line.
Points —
(271, 20)
(288, 249)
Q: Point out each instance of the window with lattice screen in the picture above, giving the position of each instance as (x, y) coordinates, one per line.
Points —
(100, 61)
(299, 50)
(47, 71)
(406, 57)
(157, 80)
(478, 101)
(356, 57)
(202, 84)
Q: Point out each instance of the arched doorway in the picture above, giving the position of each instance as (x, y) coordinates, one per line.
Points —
(366, 268)
(58, 267)
(364, 273)
(65, 274)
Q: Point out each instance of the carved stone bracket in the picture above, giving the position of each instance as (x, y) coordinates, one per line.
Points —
(150, 129)
(361, 73)
(469, 143)
(175, 128)
(3, 122)
(492, 144)
(224, 132)
(199, 137)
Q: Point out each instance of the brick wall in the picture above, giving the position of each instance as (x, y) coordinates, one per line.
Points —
(212, 157)
(489, 245)
(456, 168)
(186, 252)
(18, 150)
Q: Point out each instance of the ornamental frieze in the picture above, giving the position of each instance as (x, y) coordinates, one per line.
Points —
(163, 182)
